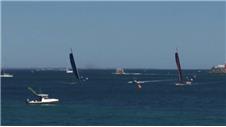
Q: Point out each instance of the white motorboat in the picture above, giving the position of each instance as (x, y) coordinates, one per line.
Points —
(183, 83)
(6, 75)
(43, 99)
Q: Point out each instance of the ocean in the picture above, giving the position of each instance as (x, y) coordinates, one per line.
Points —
(108, 99)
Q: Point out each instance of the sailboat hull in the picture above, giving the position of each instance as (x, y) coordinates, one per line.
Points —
(5, 75)
(187, 83)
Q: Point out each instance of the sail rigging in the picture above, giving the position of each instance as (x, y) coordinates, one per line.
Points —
(33, 91)
(180, 77)
(73, 65)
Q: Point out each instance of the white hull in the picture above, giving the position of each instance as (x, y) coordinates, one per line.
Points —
(187, 83)
(43, 101)
(6, 76)
(69, 72)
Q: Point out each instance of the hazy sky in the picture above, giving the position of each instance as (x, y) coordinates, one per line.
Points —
(113, 34)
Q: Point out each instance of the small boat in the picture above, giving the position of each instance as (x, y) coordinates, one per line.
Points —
(42, 98)
(138, 83)
(6, 75)
(139, 86)
(69, 71)
(181, 81)
(119, 71)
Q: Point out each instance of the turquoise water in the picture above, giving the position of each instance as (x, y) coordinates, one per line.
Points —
(107, 99)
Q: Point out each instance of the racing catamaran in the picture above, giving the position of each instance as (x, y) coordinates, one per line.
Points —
(74, 68)
(181, 81)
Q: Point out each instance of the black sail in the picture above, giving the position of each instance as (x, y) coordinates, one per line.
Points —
(75, 71)
(180, 77)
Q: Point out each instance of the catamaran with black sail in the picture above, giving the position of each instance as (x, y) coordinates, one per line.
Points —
(74, 68)
(181, 80)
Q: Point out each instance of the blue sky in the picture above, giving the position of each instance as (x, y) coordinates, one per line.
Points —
(113, 34)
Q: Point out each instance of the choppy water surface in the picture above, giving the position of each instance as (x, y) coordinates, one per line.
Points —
(108, 99)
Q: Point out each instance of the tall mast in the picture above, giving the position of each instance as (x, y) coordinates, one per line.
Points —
(180, 77)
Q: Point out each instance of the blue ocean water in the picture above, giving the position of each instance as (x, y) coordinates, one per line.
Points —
(108, 99)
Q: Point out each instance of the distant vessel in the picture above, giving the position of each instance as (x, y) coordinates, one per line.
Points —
(42, 98)
(218, 69)
(138, 84)
(75, 70)
(6, 75)
(120, 71)
(181, 81)
(69, 71)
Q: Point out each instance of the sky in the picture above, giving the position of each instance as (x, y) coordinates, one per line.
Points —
(113, 34)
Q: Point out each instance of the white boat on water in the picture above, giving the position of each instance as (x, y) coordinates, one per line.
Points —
(69, 71)
(6, 75)
(183, 83)
(42, 98)
(120, 71)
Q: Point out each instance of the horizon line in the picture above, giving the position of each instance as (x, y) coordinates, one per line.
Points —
(110, 68)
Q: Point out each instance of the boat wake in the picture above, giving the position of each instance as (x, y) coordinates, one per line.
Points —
(127, 74)
(208, 83)
(150, 81)
(154, 74)
(84, 78)
(132, 74)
